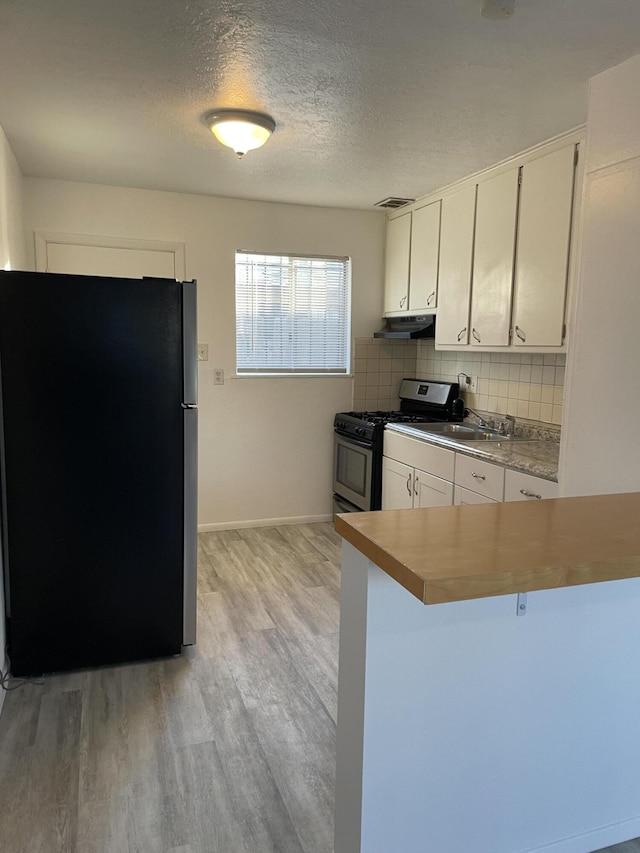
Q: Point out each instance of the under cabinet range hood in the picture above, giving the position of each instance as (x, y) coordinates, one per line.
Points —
(404, 328)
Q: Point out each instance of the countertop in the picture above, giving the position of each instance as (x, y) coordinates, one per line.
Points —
(445, 554)
(536, 457)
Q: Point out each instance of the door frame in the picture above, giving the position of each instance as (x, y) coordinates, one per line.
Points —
(44, 238)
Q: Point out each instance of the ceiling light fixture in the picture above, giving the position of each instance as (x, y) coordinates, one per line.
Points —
(497, 10)
(242, 130)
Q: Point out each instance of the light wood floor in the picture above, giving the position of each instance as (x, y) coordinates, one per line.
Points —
(227, 749)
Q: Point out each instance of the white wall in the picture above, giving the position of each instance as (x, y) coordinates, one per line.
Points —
(464, 727)
(12, 256)
(12, 243)
(602, 368)
(266, 444)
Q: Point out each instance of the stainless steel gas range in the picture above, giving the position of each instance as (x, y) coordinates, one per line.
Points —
(359, 440)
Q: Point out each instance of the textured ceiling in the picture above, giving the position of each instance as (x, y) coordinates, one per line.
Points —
(371, 97)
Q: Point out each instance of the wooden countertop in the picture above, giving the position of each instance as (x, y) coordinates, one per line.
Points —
(462, 552)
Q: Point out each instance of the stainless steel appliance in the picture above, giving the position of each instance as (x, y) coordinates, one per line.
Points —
(405, 328)
(98, 429)
(359, 440)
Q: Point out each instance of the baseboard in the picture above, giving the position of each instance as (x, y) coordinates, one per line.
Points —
(604, 836)
(263, 522)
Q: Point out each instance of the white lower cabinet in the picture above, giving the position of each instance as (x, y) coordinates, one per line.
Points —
(431, 491)
(404, 487)
(526, 487)
(416, 473)
(420, 454)
(397, 485)
(463, 497)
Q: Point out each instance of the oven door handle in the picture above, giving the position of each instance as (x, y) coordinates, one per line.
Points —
(364, 444)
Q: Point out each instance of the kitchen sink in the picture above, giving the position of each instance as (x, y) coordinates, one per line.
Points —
(450, 429)
(461, 432)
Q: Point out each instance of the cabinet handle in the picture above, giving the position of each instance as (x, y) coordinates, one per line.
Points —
(478, 476)
(462, 333)
(415, 485)
(530, 494)
(409, 483)
(430, 297)
(520, 334)
(403, 300)
(475, 335)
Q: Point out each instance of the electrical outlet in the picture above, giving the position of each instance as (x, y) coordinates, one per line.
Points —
(218, 376)
(203, 352)
(469, 383)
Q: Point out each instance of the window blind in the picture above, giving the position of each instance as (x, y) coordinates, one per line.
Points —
(292, 314)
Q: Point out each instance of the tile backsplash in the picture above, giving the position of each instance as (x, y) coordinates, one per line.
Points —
(520, 384)
(380, 365)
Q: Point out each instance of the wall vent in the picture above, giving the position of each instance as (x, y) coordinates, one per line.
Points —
(393, 202)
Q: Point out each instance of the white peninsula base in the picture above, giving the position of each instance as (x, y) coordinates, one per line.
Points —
(466, 728)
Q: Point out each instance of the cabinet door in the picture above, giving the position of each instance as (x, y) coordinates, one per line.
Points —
(544, 227)
(464, 497)
(423, 269)
(431, 491)
(396, 264)
(397, 485)
(417, 453)
(486, 478)
(454, 275)
(525, 487)
(493, 258)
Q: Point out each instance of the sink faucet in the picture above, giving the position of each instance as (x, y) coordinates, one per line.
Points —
(507, 426)
(481, 420)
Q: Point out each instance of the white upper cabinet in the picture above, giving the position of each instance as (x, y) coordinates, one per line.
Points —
(456, 255)
(423, 268)
(411, 261)
(495, 239)
(492, 257)
(544, 227)
(396, 272)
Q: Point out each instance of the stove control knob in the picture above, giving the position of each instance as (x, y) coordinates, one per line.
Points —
(359, 430)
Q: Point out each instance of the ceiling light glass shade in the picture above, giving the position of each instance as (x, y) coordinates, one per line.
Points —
(241, 130)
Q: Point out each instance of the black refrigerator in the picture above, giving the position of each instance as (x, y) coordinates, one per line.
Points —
(98, 433)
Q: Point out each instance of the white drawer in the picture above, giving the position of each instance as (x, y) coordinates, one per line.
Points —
(526, 487)
(463, 497)
(420, 454)
(479, 476)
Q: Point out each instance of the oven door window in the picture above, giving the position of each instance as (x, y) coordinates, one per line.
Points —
(352, 477)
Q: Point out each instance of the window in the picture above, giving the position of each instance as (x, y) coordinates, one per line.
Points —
(292, 314)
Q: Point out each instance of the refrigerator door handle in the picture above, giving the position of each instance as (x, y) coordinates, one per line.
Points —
(190, 525)
(189, 344)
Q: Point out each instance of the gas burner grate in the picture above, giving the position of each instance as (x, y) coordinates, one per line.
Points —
(389, 417)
